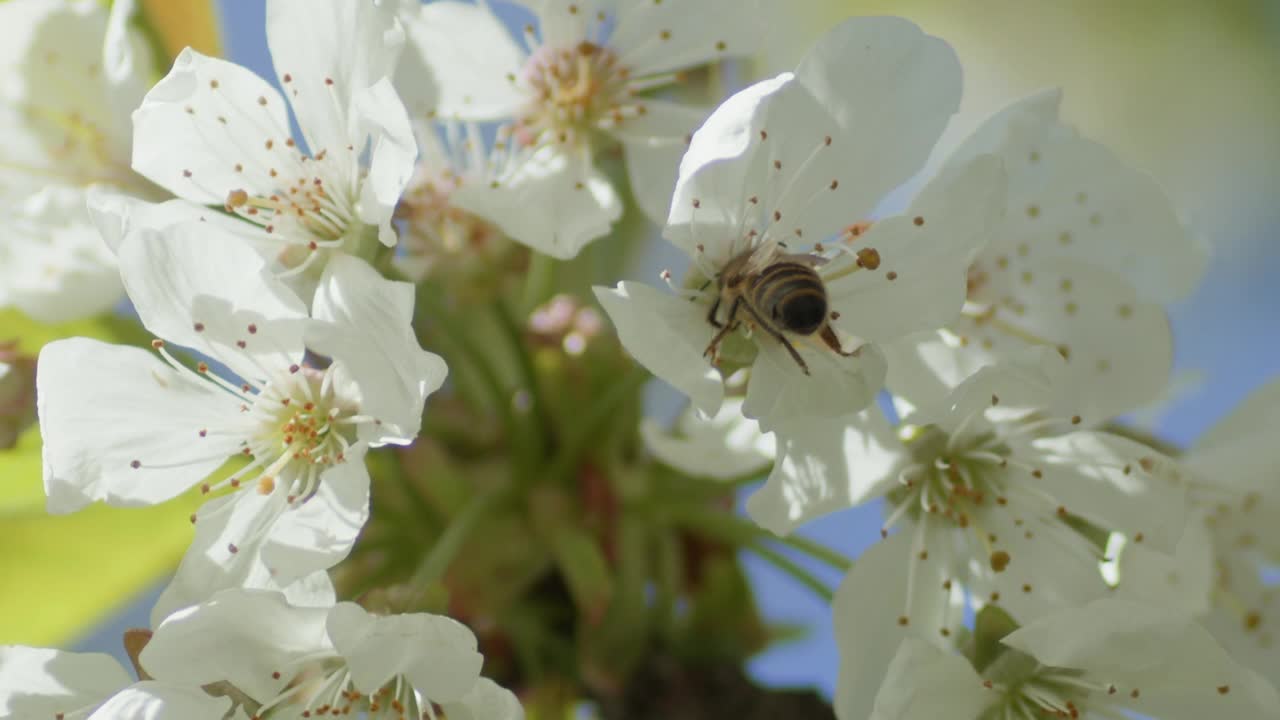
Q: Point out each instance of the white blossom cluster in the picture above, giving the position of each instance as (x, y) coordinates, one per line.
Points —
(1012, 311)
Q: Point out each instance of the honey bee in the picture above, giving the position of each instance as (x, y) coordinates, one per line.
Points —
(780, 293)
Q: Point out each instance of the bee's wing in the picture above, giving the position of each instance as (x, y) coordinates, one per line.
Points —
(762, 256)
(802, 258)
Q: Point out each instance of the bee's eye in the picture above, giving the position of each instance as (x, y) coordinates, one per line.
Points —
(803, 313)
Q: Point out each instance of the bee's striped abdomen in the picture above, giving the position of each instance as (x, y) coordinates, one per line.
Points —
(792, 295)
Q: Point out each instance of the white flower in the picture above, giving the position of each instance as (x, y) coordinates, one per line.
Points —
(1108, 659)
(784, 165)
(987, 495)
(70, 74)
(1222, 567)
(465, 201)
(124, 427)
(43, 683)
(303, 662)
(582, 88)
(212, 132)
(725, 446)
(1086, 254)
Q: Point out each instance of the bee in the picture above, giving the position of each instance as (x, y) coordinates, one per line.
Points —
(779, 293)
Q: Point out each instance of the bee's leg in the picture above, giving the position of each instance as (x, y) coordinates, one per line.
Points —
(791, 349)
(711, 316)
(829, 337)
(730, 324)
(780, 338)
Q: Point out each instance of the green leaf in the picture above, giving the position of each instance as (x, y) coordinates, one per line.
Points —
(990, 626)
(585, 570)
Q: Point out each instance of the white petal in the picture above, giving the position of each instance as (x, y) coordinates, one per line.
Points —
(667, 335)
(710, 196)
(116, 215)
(329, 57)
(1050, 564)
(53, 265)
(1175, 663)
(887, 583)
(1104, 478)
(836, 385)
(925, 683)
(158, 701)
(486, 701)
(382, 117)
(104, 408)
(564, 23)
(1240, 450)
(225, 553)
(241, 636)
(924, 257)
(472, 58)
(1111, 214)
(891, 89)
(725, 446)
(367, 326)
(826, 465)
(1107, 635)
(1183, 580)
(1245, 624)
(125, 57)
(202, 121)
(40, 682)
(655, 37)
(319, 533)
(1024, 383)
(197, 286)
(655, 141)
(1118, 350)
(435, 653)
(804, 173)
(576, 203)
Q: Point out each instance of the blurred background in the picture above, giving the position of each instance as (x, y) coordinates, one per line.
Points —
(1186, 89)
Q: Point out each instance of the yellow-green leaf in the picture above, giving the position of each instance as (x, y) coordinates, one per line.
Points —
(65, 573)
(21, 489)
(32, 335)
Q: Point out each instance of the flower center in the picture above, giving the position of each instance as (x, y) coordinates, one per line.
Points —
(440, 233)
(572, 91)
(311, 205)
(301, 429)
(949, 481)
(325, 688)
(1035, 692)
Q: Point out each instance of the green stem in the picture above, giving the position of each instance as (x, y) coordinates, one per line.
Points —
(529, 375)
(475, 358)
(437, 561)
(594, 421)
(818, 551)
(788, 566)
(539, 280)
